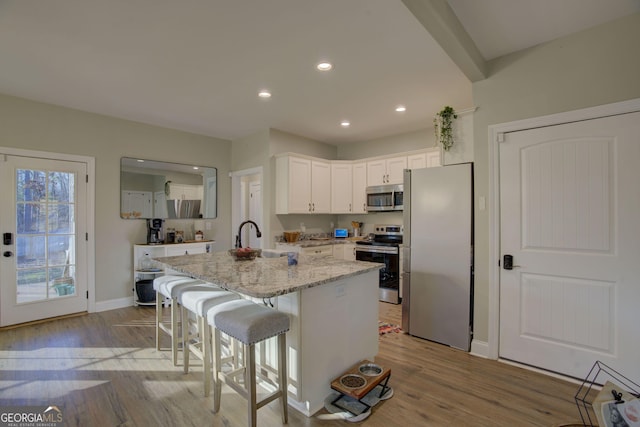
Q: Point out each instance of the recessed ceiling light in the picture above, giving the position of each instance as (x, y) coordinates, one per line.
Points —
(195, 168)
(264, 94)
(140, 161)
(401, 109)
(345, 123)
(324, 66)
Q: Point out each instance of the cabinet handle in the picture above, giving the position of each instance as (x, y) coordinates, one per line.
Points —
(364, 206)
(309, 207)
(313, 206)
(349, 207)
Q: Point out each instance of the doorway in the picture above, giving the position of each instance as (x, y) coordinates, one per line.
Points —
(45, 267)
(247, 203)
(568, 209)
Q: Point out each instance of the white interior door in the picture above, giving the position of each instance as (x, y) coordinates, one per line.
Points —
(43, 270)
(570, 206)
(255, 212)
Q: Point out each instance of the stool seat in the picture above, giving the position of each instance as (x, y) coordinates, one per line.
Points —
(198, 300)
(169, 287)
(247, 321)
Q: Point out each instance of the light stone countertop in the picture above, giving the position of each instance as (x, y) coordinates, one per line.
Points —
(266, 277)
(321, 242)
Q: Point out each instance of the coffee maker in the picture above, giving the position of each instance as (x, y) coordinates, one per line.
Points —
(154, 231)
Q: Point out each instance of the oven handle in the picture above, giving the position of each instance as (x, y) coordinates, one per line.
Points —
(377, 249)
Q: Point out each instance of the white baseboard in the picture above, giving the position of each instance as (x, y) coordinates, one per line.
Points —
(113, 304)
(480, 348)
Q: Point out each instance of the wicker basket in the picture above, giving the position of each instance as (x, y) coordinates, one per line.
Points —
(291, 236)
(245, 255)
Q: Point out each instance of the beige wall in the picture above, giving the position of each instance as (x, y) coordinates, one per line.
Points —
(595, 67)
(410, 141)
(35, 126)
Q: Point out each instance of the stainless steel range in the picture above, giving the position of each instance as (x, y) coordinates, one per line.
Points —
(383, 246)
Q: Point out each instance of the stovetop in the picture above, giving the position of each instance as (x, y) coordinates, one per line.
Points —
(384, 235)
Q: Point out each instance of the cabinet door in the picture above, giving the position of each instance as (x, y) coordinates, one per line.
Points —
(299, 185)
(349, 250)
(434, 159)
(395, 170)
(359, 191)
(341, 188)
(417, 161)
(338, 251)
(377, 172)
(320, 187)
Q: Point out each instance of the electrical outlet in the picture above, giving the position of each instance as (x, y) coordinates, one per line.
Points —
(207, 225)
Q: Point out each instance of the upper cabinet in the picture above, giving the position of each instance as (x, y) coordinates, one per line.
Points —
(302, 185)
(359, 188)
(308, 185)
(341, 187)
(386, 171)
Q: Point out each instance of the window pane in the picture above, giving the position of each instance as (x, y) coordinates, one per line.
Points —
(61, 219)
(30, 251)
(31, 218)
(32, 285)
(31, 185)
(62, 281)
(58, 249)
(61, 186)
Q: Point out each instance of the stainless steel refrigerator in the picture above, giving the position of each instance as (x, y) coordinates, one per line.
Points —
(437, 296)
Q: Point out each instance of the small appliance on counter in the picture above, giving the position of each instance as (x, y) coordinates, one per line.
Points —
(154, 231)
(340, 233)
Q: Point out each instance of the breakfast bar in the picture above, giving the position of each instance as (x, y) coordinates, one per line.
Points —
(332, 305)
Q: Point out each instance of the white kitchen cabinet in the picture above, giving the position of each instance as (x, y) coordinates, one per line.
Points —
(184, 191)
(386, 171)
(346, 251)
(341, 187)
(417, 161)
(433, 158)
(142, 253)
(359, 186)
(323, 250)
(303, 185)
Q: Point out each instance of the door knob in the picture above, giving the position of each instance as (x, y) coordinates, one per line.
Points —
(7, 254)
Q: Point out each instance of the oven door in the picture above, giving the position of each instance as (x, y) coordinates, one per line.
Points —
(389, 275)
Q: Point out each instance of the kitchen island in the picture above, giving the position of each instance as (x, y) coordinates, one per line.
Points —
(332, 304)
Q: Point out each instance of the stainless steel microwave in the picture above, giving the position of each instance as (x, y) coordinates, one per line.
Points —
(382, 198)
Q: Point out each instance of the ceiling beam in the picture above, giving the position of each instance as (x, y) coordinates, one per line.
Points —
(437, 17)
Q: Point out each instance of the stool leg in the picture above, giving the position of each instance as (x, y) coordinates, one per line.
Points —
(282, 375)
(217, 382)
(205, 343)
(174, 331)
(185, 339)
(158, 319)
(250, 382)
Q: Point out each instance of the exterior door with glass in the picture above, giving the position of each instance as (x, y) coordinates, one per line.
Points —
(43, 268)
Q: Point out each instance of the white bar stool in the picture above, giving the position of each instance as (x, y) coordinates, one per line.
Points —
(167, 287)
(249, 323)
(198, 300)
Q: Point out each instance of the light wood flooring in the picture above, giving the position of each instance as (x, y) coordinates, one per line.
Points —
(102, 369)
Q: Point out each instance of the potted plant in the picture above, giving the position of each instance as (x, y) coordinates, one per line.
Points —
(443, 127)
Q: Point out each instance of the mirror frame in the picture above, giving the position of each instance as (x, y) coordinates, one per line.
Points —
(149, 193)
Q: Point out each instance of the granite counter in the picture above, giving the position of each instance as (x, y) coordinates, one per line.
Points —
(266, 277)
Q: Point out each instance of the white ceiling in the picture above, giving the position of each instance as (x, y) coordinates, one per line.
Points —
(197, 65)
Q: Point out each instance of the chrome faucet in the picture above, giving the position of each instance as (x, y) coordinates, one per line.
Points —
(238, 238)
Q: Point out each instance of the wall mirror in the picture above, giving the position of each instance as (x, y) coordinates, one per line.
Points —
(153, 189)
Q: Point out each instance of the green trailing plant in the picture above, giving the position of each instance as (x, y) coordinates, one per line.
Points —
(443, 126)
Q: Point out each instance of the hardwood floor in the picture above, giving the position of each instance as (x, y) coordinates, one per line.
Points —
(102, 369)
